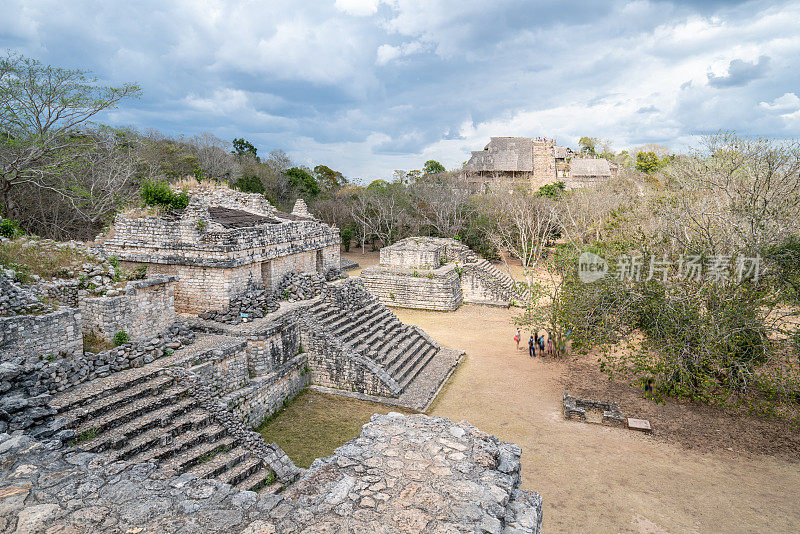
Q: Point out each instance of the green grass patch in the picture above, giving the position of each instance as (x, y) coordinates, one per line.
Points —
(85, 436)
(314, 424)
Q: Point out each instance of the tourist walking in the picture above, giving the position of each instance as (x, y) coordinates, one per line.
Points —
(517, 337)
(541, 345)
(531, 349)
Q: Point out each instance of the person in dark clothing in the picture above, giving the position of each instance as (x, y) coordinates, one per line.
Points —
(648, 387)
(541, 345)
(531, 349)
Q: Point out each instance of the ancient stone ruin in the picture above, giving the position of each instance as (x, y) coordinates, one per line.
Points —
(225, 322)
(432, 273)
(592, 411)
(222, 244)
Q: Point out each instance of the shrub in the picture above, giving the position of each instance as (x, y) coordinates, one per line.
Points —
(121, 337)
(9, 228)
(158, 193)
(347, 237)
(250, 184)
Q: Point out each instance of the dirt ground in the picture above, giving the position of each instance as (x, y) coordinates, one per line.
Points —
(600, 479)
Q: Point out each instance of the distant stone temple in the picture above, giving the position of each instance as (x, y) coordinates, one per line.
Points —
(535, 162)
(433, 273)
(222, 243)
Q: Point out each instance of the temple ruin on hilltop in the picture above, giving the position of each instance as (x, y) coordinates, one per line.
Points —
(222, 243)
(433, 273)
(534, 162)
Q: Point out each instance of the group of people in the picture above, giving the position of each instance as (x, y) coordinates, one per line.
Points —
(543, 345)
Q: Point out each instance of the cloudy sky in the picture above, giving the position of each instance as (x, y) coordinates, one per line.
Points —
(368, 86)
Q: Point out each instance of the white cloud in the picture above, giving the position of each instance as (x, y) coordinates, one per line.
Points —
(783, 104)
(358, 8)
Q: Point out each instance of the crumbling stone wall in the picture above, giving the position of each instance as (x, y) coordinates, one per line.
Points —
(48, 335)
(147, 306)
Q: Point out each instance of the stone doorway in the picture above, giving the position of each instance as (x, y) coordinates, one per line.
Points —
(319, 261)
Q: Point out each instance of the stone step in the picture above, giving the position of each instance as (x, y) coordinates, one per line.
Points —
(380, 337)
(105, 419)
(386, 345)
(337, 321)
(118, 386)
(138, 451)
(355, 323)
(322, 311)
(391, 354)
(405, 360)
(366, 326)
(113, 433)
(242, 470)
(420, 364)
(263, 481)
(153, 438)
(220, 463)
(198, 454)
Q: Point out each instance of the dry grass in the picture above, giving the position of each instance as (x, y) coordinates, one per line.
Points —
(314, 424)
(94, 343)
(189, 183)
(141, 212)
(29, 257)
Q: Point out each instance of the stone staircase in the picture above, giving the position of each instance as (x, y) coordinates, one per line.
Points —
(144, 414)
(497, 281)
(371, 329)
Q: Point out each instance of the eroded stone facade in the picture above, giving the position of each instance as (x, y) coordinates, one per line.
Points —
(222, 243)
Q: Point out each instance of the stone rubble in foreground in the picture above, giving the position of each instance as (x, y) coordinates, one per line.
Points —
(404, 474)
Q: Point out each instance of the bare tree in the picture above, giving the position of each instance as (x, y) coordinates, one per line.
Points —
(41, 110)
(442, 203)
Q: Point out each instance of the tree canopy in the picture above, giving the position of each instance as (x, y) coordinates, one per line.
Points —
(42, 112)
(432, 167)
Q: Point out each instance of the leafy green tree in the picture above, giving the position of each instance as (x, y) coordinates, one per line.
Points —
(328, 179)
(242, 147)
(432, 167)
(553, 190)
(42, 108)
(250, 184)
(303, 182)
(647, 162)
(588, 146)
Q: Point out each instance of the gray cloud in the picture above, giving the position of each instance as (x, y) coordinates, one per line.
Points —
(311, 79)
(740, 73)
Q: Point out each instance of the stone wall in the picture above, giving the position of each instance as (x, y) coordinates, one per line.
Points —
(436, 289)
(411, 252)
(35, 336)
(207, 288)
(147, 306)
(263, 396)
(335, 366)
(272, 346)
(224, 369)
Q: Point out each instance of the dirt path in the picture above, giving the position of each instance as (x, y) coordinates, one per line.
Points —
(594, 478)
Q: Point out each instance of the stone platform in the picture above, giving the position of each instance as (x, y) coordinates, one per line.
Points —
(402, 474)
(437, 274)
